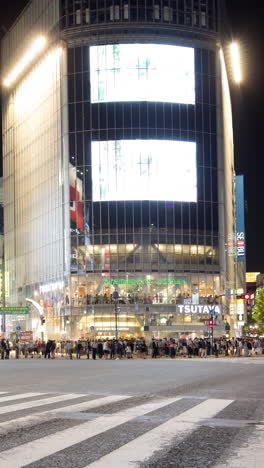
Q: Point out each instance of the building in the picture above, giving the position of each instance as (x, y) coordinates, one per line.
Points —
(118, 167)
(2, 290)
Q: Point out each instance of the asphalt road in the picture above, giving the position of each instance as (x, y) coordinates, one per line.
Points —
(132, 413)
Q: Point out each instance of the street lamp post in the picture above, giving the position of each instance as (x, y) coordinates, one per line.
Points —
(115, 296)
(116, 330)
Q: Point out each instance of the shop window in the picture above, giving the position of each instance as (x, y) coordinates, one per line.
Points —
(126, 11)
(78, 16)
(203, 19)
(195, 18)
(156, 12)
(167, 13)
(87, 15)
(114, 13)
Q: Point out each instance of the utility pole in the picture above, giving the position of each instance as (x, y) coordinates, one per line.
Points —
(211, 325)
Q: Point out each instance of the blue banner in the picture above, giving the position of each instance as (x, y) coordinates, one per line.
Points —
(240, 220)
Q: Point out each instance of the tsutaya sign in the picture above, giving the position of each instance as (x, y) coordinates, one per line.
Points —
(14, 311)
(161, 281)
(198, 309)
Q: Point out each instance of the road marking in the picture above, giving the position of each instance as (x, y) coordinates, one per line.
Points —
(40, 448)
(19, 396)
(143, 447)
(36, 403)
(42, 415)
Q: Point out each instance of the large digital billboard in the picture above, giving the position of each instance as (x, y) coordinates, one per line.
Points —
(144, 170)
(142, 72)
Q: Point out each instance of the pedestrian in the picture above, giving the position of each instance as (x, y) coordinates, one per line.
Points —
(78, 350)
(88, 349)
(94, 349)
(63, 344)
(3, 348)
(190, 348)
(53, 349)
(69, 348)
(216, 348)
(48, 349)
(155, 349)
(250, 347)
(106, 349)
(7, 350)
(16, 347)
(128, 350)
(113, 349)
(100, 350)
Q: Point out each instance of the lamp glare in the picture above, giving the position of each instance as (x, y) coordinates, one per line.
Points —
(36, 47)
(235, 54)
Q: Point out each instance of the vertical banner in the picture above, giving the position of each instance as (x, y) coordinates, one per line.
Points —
(240, 220)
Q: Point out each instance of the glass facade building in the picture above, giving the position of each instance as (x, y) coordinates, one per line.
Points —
(118, 168)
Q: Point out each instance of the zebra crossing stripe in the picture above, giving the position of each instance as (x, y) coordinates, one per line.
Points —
(49, 445)
(89, 404)
(143, 447)
(19, 396)
(37, 417)
(36, 403)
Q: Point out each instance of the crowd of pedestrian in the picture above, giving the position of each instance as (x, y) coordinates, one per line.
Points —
(133, 348)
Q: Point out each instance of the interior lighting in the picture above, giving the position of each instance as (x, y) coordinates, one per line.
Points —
(235, 54)
(35, 49)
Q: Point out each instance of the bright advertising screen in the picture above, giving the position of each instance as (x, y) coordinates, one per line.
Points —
(142, 72)
(144, 170)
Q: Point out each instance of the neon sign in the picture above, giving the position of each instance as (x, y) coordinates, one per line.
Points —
(159, 281)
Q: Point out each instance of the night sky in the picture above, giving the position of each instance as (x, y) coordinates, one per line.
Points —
(246, 27)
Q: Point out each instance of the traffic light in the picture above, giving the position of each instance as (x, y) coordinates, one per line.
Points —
(211, 322)
(247, 296)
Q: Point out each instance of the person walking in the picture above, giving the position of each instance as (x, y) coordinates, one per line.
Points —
(155, 348)
(16, 347)
(106, 348)
(8, 347)
(100, 350)
(48, 349)
(94, 349)
(216, 348)
(88, 349)
(78, 350)
(3, 348)
(53, 349)
(69, 348)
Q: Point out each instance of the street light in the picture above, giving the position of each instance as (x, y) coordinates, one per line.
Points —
(115, 296)
(236, 62)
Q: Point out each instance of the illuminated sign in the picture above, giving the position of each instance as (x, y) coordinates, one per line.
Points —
(142, 72)
(240, 220)
(241, 244)
(198, 309)
(143, 281)
(144, 170)
(231, 245)
(14, 310)
(251, 277)
(111, 328)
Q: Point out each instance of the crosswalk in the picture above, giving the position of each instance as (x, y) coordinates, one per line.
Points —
(39, 429)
